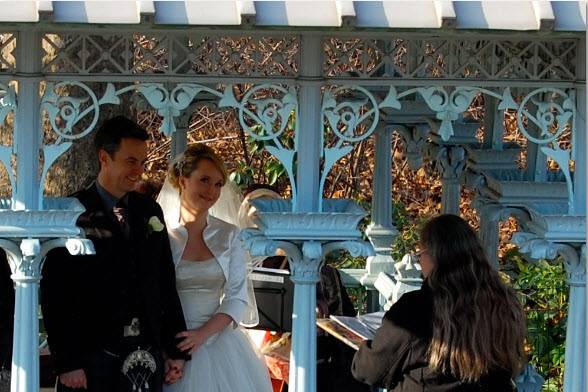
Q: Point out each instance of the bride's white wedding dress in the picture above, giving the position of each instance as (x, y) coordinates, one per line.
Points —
(227, 361)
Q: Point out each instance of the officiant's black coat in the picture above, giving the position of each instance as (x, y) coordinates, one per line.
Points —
(397, 357)
(84, 298)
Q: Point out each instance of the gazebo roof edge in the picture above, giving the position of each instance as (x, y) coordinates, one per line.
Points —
(239, 29)
(435, 15)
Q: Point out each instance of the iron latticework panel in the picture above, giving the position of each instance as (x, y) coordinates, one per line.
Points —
(442, 58)
(170, 54)
(401, 57)
(7, 47)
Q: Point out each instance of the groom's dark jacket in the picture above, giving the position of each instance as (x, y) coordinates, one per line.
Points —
(87, 300)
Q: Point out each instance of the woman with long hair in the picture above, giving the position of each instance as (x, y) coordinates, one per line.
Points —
(464, 329)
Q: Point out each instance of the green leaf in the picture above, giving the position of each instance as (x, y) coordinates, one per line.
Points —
(273, 178)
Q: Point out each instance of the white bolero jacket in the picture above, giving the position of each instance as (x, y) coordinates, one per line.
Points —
(224, 242)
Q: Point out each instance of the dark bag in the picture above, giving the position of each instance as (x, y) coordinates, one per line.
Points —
(334, 357)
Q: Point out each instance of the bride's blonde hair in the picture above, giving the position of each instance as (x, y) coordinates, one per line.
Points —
(188, 161)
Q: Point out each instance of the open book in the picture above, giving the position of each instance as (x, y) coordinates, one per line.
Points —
(352, 330)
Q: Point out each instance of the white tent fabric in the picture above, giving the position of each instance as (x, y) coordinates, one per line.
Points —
(391, 14)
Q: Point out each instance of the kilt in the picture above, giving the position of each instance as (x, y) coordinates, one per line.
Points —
(104, 374)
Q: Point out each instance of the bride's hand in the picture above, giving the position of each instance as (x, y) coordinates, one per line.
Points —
(193, 338)
(173, 370)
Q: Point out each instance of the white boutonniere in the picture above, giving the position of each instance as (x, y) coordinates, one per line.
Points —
(155, 225)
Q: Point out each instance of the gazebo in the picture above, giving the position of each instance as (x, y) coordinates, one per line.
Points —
(343, 71)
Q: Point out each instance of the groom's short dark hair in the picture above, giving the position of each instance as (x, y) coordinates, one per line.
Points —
(113, 130)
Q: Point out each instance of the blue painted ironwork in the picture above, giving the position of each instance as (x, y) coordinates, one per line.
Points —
(7, 105)
(461, 58)
(64, 113)
(170, 105)
(445, 73)
(448, 106)
(350, 121)
(267, 119)
(349, 115)
(552, 118)
(7, 101)
(262, 118)
(338, 220)
(381, 56)
(27, 236)
(7, 46)
(381, 230)
(138, 53)
(307, 240)
(572, 249)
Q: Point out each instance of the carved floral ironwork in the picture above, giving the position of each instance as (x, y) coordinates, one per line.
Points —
(351, 113)
(264, 112)
(7, 105)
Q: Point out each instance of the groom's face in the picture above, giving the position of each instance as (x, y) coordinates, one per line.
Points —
(122, 171)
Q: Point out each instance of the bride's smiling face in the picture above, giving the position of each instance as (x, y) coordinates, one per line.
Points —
(202, 188)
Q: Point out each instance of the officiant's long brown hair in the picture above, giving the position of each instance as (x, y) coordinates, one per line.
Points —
(478, 323)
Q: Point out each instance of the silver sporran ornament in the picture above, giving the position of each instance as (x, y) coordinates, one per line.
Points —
(139, 367)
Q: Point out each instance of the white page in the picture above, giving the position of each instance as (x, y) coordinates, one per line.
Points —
(354, 325)
(372, 320)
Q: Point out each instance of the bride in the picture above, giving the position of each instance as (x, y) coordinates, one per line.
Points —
(211, 279)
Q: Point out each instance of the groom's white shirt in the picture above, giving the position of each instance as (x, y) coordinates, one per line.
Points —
(224, 242)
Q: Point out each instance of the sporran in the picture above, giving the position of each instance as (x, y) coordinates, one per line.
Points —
(138, 367)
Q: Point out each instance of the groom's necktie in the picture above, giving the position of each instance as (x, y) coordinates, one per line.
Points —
(120, 213)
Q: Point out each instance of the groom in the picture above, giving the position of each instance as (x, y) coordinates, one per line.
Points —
(112, 317)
